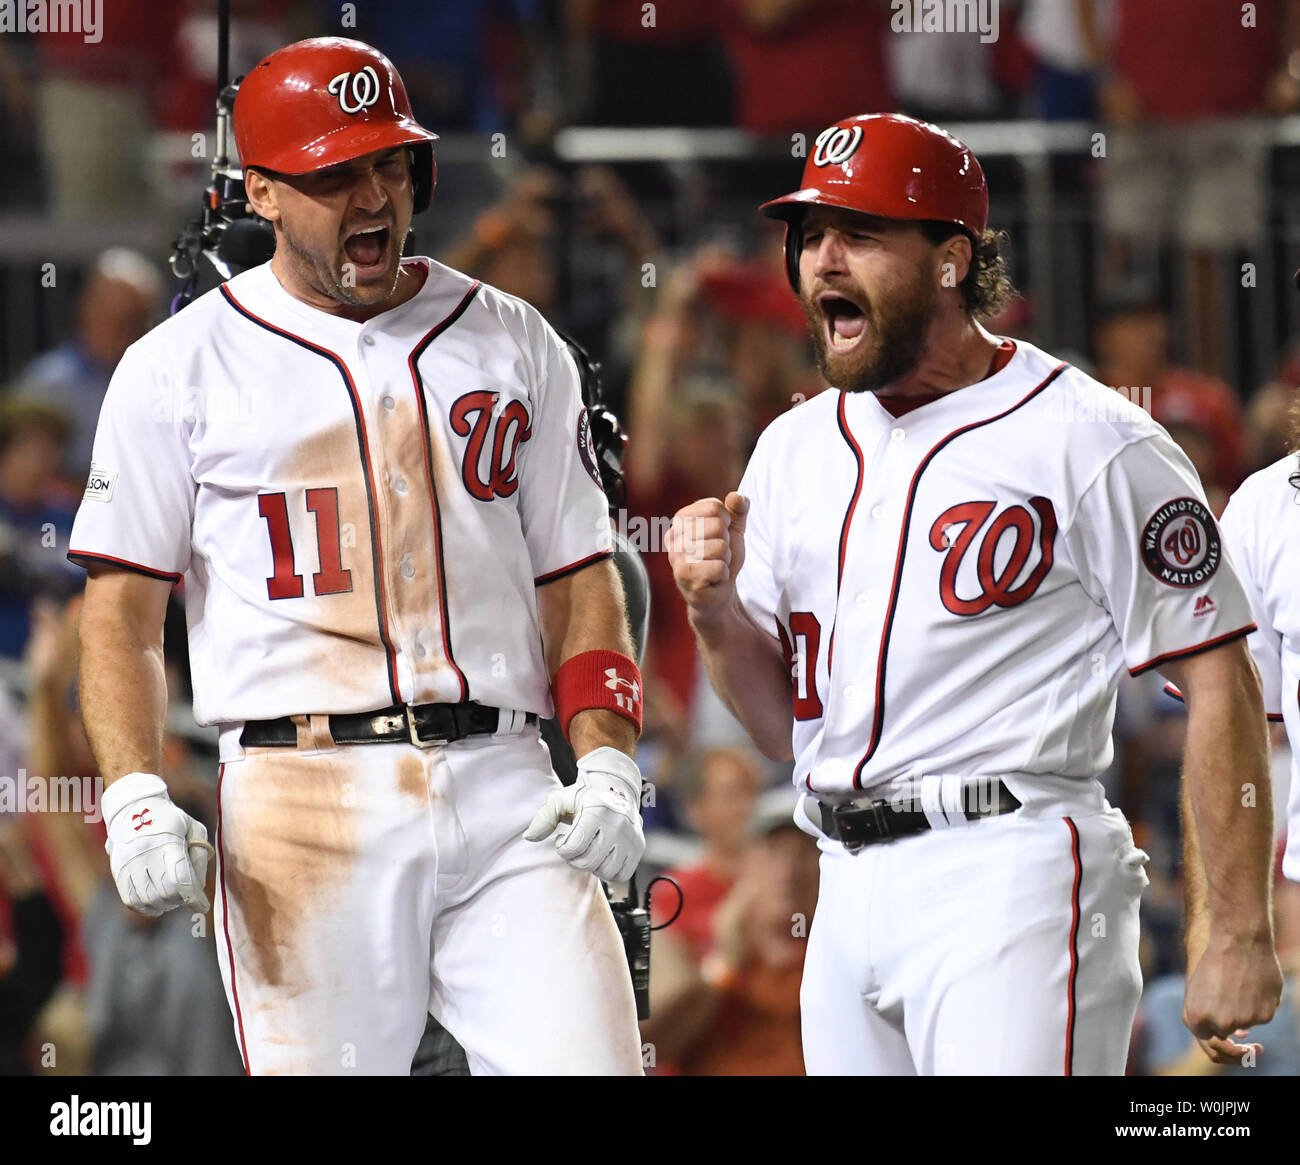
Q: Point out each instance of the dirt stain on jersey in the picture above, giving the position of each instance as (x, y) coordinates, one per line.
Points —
(330, 459)
(439, 677)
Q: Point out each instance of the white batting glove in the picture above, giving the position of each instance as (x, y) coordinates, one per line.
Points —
(598, 817)
(157, 852)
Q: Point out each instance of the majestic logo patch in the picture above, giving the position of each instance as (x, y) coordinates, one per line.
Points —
(835, 145)
(1204, 606)
(1180, 544)
(587, 448)
(99, 485)
(356, 91)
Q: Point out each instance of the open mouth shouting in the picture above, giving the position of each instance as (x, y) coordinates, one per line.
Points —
(367, 249)
(844, 320)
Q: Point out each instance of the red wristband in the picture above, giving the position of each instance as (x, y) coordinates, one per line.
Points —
(597, 679)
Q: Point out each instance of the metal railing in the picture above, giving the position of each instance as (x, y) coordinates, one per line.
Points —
(1053, 225)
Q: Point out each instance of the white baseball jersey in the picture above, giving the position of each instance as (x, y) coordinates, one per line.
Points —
(958, 587)
(1259, 528)
(360, 511)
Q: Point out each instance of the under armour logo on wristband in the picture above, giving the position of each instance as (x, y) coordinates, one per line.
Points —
(614, 681)
(597, 679)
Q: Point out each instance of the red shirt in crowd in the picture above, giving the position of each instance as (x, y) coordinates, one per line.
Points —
(702, 890)
(825, 64)
(135, 49)
(1195, 58)
(757, 1031)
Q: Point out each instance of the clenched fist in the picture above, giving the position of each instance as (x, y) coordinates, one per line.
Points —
(157, 852)
(706, 548)
(597, 819)
(1234, 985)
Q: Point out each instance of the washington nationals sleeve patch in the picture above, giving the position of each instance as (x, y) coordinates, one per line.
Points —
(587, 447)
(1180, 544)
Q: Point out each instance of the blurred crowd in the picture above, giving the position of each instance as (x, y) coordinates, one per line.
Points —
(702, 346)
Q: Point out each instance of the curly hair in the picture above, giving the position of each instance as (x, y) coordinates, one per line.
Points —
(987, 287)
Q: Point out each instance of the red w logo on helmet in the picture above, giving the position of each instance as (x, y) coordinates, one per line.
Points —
(997, 587)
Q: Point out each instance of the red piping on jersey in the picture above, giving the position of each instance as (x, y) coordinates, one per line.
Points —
(1187, 652)
(552, 575)
(367, 474)
(163, 575)
(1074, 946)
(842, 420)
(422, 405)
(225, 925)
(878, 717)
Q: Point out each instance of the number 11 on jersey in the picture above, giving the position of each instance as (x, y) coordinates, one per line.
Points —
(286, 582)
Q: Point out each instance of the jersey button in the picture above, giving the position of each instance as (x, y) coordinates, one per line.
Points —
(861, 599)
(408, 567)
(388, 403)
(850, 692)
(419, 651)
(368, 339)
(897, 435)
(399, 484)
(877, 512)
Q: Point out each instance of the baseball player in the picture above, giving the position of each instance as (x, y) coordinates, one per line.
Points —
(375, 477)
(1258, 525)
(923, 592)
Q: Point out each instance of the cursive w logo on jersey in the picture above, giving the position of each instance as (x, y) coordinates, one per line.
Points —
(473, 415)
(955, 531)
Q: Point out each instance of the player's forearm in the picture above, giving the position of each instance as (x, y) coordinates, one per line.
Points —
(48, 750)
(123, 691)
(595, 728)
(1227, 812)
(587, 612)
(1196, 919)
(749, 675)
(649, 399)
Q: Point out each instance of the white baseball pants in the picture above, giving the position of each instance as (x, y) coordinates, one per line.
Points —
(361, 887)
(1004, 946)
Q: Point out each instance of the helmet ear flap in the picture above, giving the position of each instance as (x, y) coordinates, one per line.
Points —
(793, 248)
(424, 175)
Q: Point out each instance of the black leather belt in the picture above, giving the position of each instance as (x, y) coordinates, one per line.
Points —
(859, 823)
(422, 725)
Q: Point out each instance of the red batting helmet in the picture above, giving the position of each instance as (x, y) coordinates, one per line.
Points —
(887, 165)
(318, 102)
